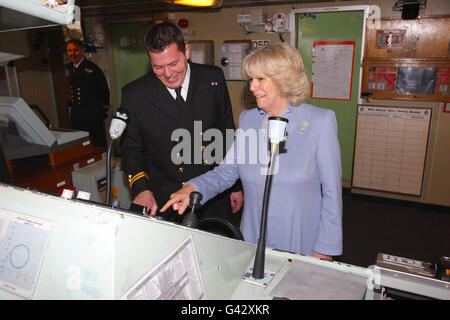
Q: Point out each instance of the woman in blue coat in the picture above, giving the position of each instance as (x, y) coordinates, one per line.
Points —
(305, 204)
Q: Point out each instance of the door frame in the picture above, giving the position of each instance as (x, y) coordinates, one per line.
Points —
(365, 8)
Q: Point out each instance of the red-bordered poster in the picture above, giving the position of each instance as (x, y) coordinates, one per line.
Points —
(332, 70)
(446, 107)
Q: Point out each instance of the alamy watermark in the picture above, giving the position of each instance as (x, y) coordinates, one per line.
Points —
(241, 146)
(374, 18)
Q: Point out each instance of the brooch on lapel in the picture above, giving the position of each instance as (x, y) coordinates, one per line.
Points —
(303, 126)
(214, 84)
(87, 70)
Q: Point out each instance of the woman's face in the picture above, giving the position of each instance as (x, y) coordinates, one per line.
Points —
(268, 95)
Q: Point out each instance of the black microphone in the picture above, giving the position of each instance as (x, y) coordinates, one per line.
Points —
(117, 127)
(190, 219)
(277, 134)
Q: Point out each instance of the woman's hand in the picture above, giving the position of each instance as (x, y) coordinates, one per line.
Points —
(237, 200)
(180, 199)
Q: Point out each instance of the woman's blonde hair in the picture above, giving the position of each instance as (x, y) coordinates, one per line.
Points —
(284, 64)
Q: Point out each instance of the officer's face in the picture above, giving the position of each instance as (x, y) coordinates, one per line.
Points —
(170, 65)
(75, 52)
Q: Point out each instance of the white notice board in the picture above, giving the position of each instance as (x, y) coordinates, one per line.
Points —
(332, 70)
(390, 148)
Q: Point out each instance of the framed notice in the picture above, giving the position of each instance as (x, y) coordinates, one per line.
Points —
(390, 148)
(332, 70)
(390, 39)
(446, 108)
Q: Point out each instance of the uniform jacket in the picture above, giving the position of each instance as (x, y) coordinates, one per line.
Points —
(147, 143)
(89, 92)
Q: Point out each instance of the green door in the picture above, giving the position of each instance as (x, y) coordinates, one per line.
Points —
(130, 59)
(335, 26)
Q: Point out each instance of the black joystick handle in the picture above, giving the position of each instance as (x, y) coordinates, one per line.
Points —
(195, 198)
(190, 219)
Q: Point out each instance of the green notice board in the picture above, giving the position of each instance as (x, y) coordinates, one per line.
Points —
(130, 59)
(326, 27)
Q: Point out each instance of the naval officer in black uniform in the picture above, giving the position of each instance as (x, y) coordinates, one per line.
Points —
(89, 94)
(173, 95)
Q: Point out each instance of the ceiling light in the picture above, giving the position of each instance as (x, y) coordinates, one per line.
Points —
(198, 3)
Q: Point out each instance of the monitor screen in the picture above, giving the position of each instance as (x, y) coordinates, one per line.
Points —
(416, 80)
(28, 124)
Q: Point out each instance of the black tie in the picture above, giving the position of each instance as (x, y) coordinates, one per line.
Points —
(179, 98)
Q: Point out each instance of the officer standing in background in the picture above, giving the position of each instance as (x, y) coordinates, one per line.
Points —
(89, 94)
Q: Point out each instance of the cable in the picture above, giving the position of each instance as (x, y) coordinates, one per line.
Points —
(108, 172)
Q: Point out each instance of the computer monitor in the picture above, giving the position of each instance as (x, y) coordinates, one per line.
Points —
(28, 124)
(31, 128)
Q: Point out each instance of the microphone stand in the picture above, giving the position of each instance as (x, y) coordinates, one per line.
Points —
(118, 124)
(258, 266)
(108, 172)
(277, 133)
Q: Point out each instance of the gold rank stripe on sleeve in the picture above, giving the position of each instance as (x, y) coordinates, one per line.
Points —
(133, 179)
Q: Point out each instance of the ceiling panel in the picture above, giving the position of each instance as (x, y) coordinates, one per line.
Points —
(134, 8)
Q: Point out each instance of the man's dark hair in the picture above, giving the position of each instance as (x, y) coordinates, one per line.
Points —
(161, 35)
(77, 42)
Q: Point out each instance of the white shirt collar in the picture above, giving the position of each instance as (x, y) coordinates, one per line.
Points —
(184, 85)
(76, 65)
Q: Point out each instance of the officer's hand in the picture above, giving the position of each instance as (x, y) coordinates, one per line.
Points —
(180, 199)
(146, 199)
(237, 200)
(322, 256)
